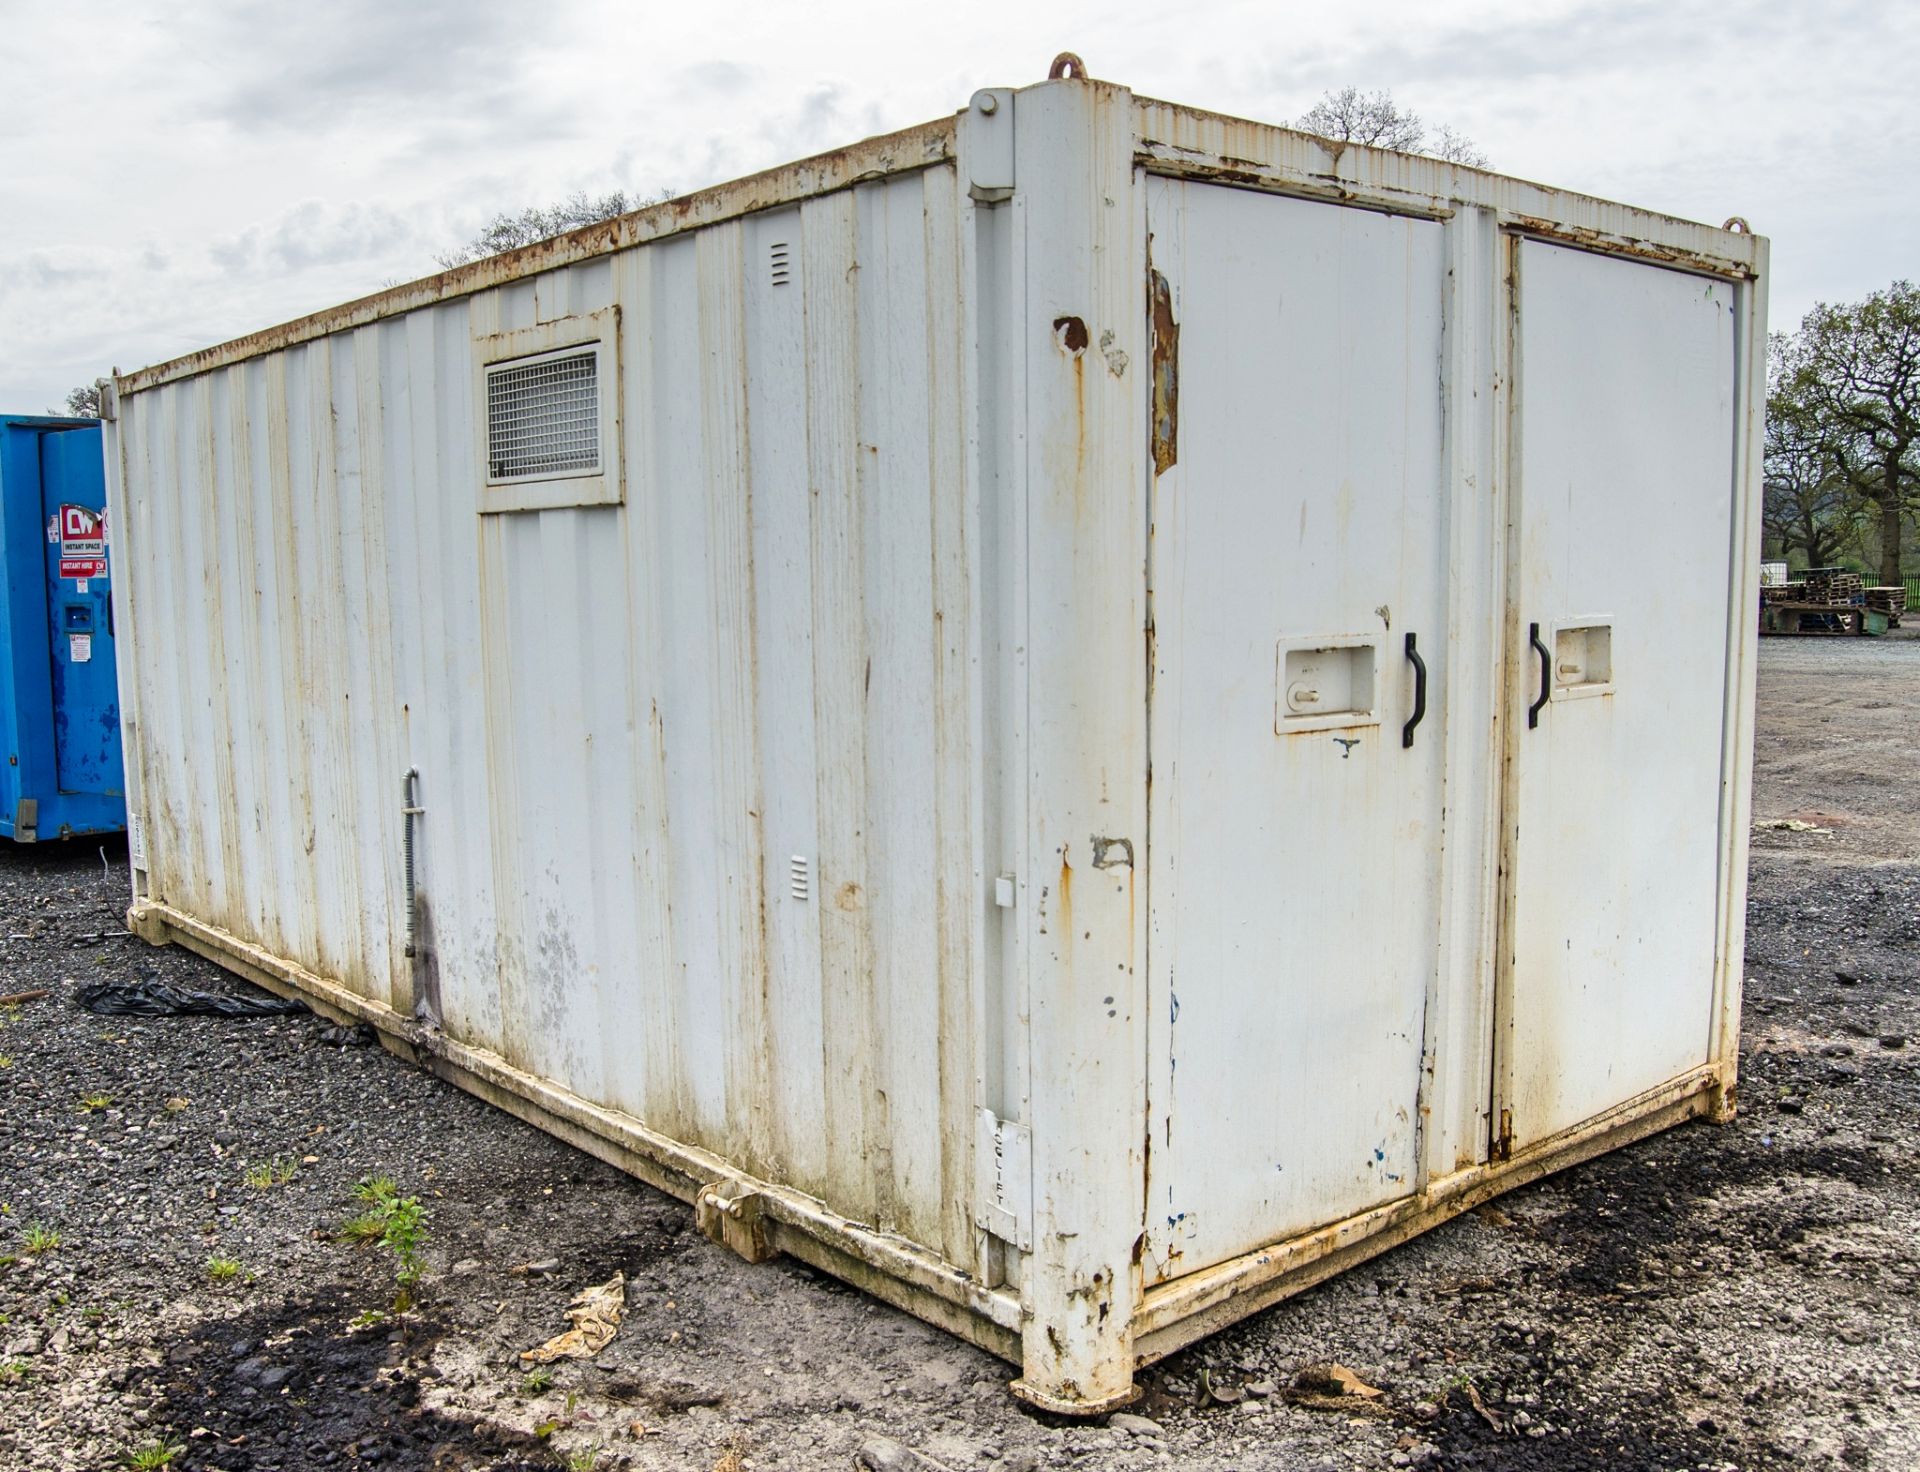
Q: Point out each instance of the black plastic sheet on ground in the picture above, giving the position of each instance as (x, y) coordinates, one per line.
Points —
(156, 999)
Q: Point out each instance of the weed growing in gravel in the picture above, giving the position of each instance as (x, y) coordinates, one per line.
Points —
(223, 1269)
(539, 1380)
(12, 1372)
(6, 1060)
(155, 1454)
(367, 1318)
(94, 1103)
(402, 1223)
(584, 1460)
(275, 1172)
(39, 1237)
(175, 1105)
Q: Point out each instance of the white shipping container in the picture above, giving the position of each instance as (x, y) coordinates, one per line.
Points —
(1082, 715)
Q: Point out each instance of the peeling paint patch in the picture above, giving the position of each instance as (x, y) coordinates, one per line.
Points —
(1116, 357)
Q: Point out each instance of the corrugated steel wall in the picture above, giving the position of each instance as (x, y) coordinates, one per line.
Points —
(628, 720)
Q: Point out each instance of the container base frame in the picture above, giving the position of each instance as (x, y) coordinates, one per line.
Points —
(900, 1273)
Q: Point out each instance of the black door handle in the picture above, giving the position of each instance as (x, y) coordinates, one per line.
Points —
(1546, 676)
(1419, 693)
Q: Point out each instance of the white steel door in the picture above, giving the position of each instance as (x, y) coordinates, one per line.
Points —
(1297, 541)
(1624, 439)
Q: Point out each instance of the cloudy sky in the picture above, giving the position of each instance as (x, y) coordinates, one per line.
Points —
(172, 176)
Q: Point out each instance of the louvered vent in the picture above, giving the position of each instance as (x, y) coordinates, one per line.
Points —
(779, 270)
(543, 416)
(799, 879)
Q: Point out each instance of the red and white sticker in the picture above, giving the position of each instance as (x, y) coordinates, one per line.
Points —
(83, 542)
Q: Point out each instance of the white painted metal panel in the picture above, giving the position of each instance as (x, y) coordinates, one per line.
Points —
(629, 720)
(1625, 442)
(1298, 538)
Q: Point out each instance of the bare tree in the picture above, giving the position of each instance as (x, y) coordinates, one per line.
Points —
(82, 402)
(511, 231)
(1455, 148)
(1856, 371)
(1374, 119)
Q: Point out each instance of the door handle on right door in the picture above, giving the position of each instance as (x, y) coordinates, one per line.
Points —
(1546, 676)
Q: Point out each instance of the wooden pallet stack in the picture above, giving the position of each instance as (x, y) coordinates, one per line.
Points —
(1829, 600)
(1835, 585)
(1890, 601)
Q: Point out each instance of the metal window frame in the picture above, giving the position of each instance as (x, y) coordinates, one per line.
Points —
(564, 336)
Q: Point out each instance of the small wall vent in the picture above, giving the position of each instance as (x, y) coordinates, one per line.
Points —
(779, 271)
(798, 878)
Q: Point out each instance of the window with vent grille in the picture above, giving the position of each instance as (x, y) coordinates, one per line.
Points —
(547, 414)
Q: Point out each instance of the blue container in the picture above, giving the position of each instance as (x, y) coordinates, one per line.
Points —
(59, 699)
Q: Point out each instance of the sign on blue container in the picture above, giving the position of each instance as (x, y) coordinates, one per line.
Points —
(59, 699)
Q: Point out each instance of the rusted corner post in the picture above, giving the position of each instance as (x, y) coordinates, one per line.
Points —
(1085, 478)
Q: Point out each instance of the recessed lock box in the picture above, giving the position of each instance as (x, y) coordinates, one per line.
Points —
(1326, 683)
(1583, 659)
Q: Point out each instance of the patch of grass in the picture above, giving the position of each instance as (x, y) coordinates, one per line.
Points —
(155, 1454)
(13, 1371)
(376, 1189)
(275, 1172)
(539, 1380)
(94, 1103)
(584, 1460)
(368, 1226)
(223, 1269)
(39, 1237)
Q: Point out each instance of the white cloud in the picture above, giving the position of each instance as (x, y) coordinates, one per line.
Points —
(199, 170)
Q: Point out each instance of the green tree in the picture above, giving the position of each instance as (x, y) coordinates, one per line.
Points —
(1855, 370)
(1808, 506)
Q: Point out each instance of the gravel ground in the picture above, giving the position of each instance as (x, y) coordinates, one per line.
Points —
(1737, 1297)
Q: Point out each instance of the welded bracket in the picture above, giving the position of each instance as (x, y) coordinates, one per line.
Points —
(729, 1213)
(1003, 1188)
(988, 145)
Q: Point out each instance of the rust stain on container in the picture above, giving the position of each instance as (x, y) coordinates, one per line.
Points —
(1166, 377)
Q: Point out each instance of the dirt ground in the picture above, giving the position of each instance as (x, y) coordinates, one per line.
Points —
(1737, 1297)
